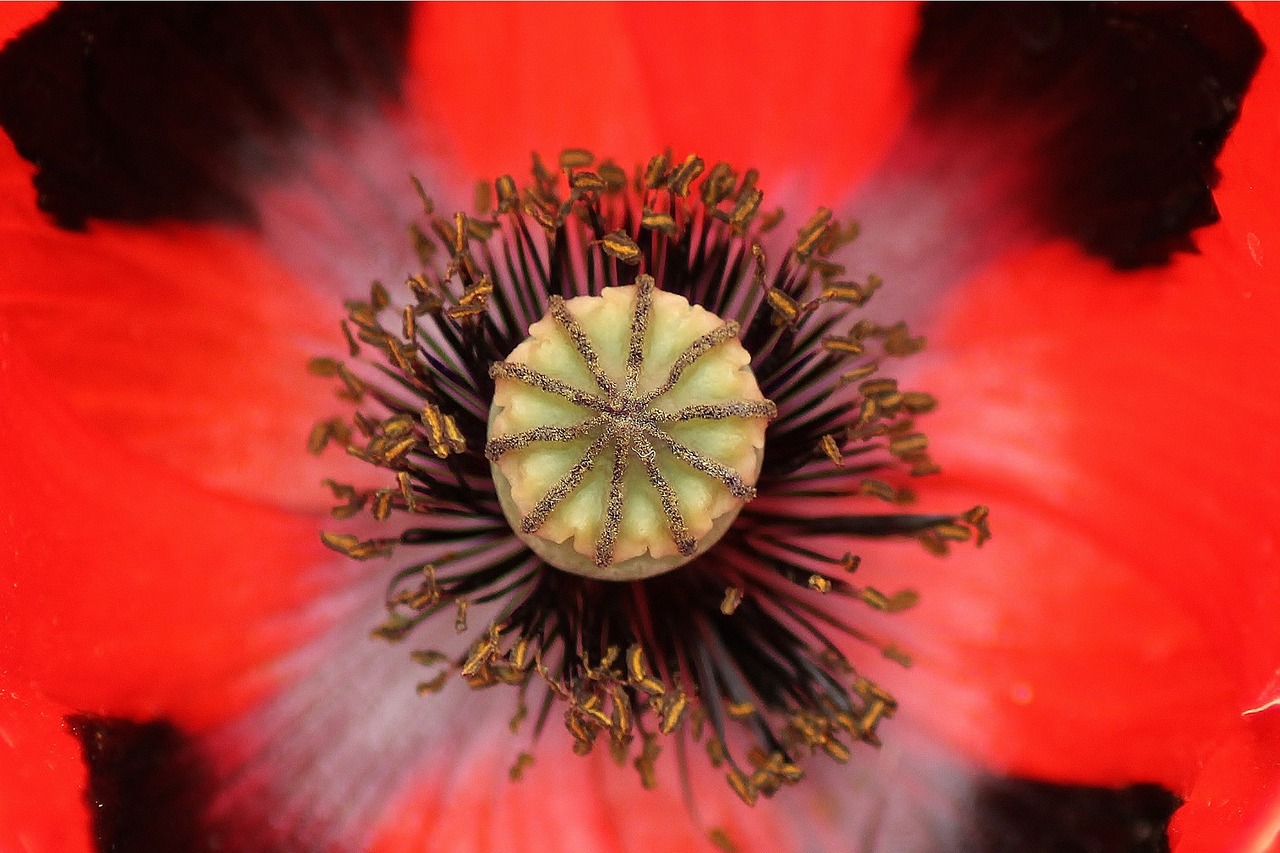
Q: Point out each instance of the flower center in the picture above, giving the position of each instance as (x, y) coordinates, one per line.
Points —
(626, 432)
(572, 397)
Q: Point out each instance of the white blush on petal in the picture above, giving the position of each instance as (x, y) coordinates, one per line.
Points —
(320, 761)
(341, 216)
(911, 796)
(937, 210)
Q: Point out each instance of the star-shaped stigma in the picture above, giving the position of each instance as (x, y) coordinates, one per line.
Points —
(626, 422)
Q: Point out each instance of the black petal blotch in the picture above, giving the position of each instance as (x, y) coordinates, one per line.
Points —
(1129, 105)
(139, 112)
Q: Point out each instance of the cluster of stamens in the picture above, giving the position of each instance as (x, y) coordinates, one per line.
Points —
(732, 650)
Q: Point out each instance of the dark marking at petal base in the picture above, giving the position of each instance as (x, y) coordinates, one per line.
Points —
(146, 787)
(142, 112)
(1024, 816)
(1132, 104)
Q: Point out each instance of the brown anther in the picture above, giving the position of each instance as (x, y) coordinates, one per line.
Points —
(428, 208)
(576, 158)
(658, 222)
(518, 718)
(357, 548)
(953, 532)
(326, 431)
(429, 657)
(685, 174)
(932, 542)
(323, 366)
(878, 387)
(845, 291)
(898, 342)
(381, 508)
(718, 185)
(655, 173)
(812, 231)
(646, 763)
(542, 217)
(508, 195)
(745, 208)
(818, 583)
(741, 786)
(353, 348)
(785, 309)
(433, 685)
(638, 672)
(831, 448)
(732, 598)
(878, 489)
(673, 707)
(522, 763)
(406, 491)
(843, 346)
(620, 245)
(716, 752)
(615, 178)
(978, 518)
(379, 299)
(720, 838)
(908, 444)
(586, 182)
(836, 750)
(857, 373)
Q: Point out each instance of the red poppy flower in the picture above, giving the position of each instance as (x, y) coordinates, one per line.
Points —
(181, 652)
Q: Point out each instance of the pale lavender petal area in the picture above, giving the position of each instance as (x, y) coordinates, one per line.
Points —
(938, 210)
(315, 766)
(341, 217)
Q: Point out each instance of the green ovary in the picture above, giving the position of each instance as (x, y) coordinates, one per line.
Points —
(647, 539)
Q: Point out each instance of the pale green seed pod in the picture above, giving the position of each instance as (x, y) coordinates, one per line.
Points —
(626, 432)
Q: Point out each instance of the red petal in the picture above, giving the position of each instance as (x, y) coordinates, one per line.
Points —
(185, 345)
(16, 17)
(904, 797)
(1048, 653)
(499, 81)
(1250, 185)
(41, 776)
(773, 86)
(595, 806)
(1235, 804)
(1123, 429)
(127, 590)
(784, 87)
